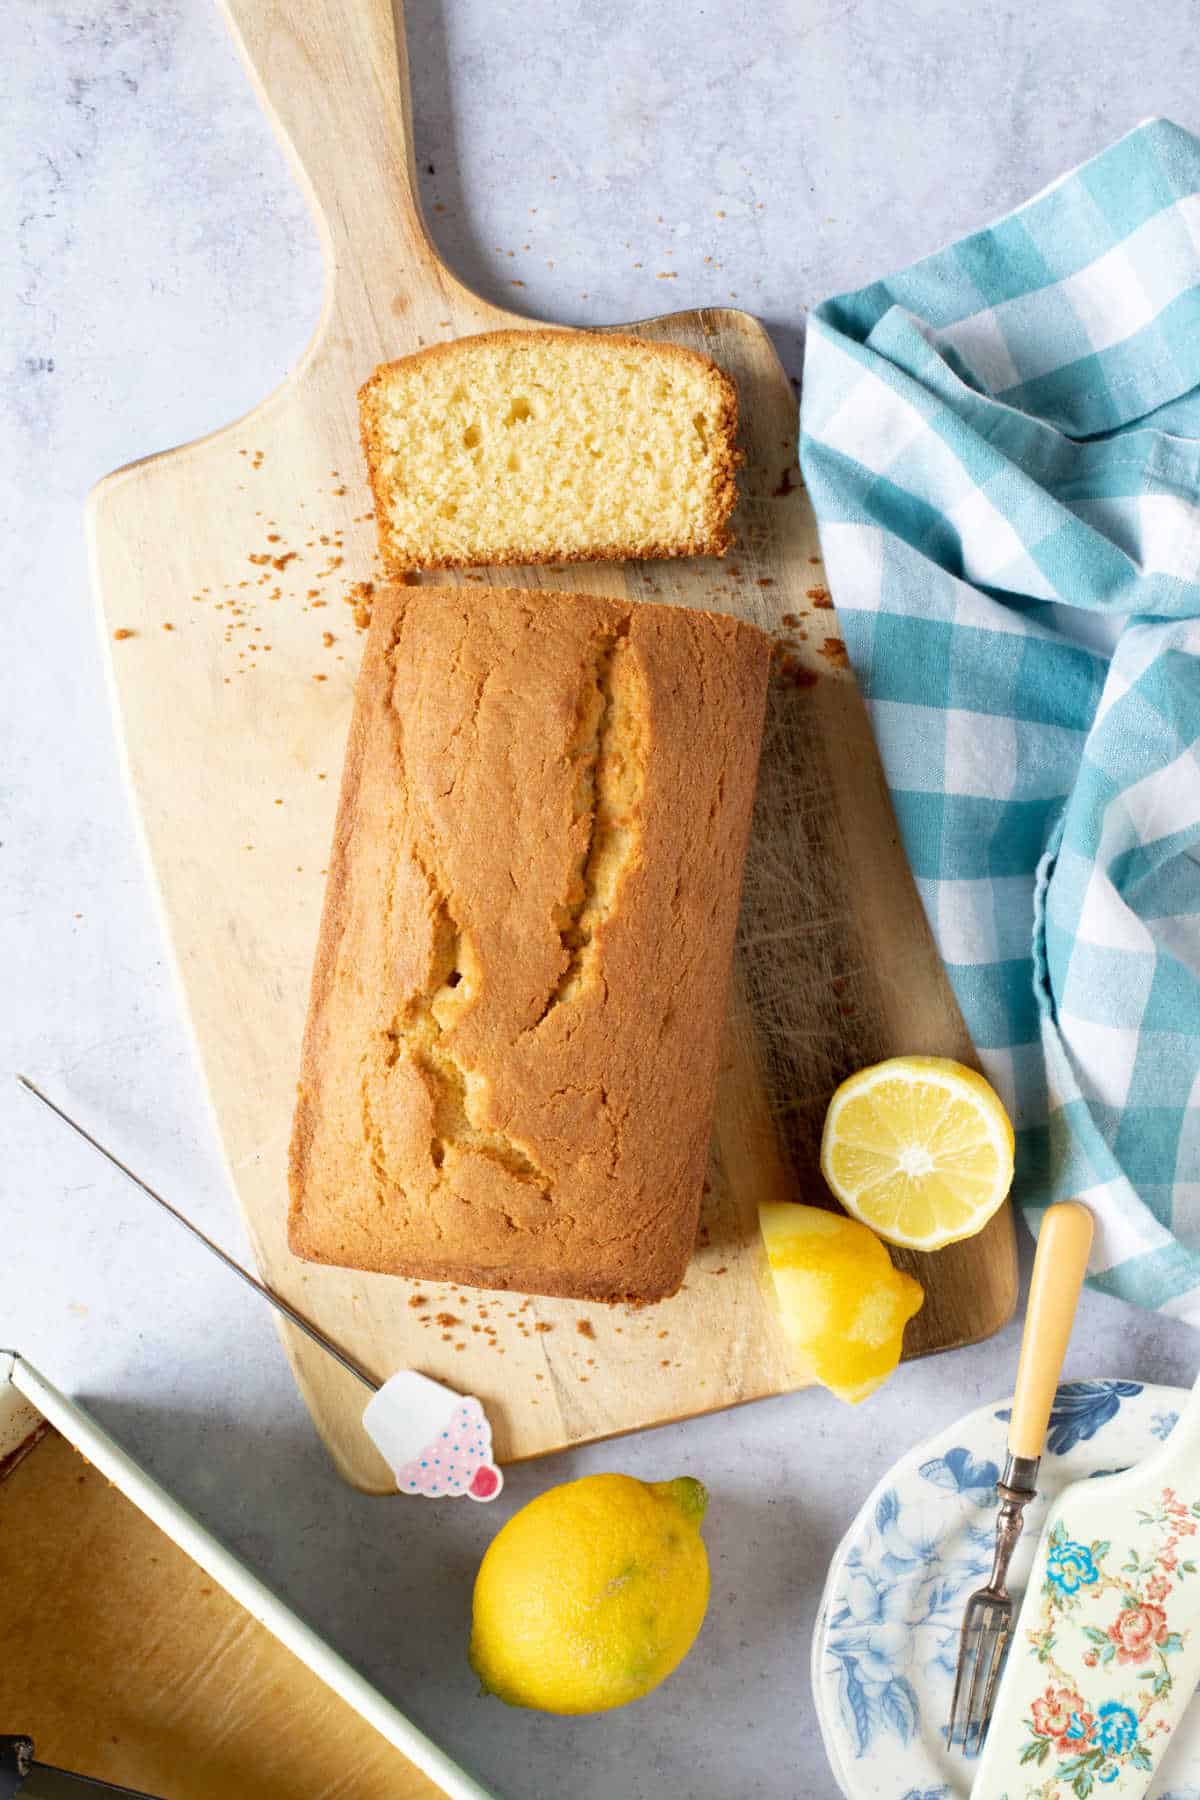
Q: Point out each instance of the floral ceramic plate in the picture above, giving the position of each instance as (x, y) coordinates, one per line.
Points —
(886, 1636)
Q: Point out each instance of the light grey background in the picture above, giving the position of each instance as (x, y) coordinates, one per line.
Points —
(158, 274)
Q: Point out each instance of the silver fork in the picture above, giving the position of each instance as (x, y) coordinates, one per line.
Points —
(987, 1621)
(1058, 1270)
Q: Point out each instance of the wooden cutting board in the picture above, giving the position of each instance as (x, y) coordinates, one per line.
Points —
(228, 572)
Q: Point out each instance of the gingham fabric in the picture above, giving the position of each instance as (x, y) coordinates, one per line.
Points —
(1002, 445)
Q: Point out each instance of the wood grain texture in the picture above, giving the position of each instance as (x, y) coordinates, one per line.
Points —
(247, 545)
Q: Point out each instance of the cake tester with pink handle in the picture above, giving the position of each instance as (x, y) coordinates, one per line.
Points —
(435, 1441)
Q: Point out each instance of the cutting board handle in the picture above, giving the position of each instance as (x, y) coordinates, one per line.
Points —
(333, 78)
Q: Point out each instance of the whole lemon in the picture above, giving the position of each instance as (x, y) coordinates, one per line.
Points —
(591, 1594)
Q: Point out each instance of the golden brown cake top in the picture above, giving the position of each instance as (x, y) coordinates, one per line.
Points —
(520, 987)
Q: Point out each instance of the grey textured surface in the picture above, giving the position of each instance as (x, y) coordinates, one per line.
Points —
(158, 274)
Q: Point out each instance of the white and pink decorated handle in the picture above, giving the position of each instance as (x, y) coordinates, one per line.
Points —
(436, 1442)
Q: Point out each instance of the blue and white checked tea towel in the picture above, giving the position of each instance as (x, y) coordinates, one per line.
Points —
(1002, 445)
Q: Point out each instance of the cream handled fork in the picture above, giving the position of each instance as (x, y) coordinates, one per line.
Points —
(1059, 1266)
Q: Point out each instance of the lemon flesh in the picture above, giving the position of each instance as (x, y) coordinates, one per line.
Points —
(591, 1594)
(920, 1149)
(842, 1305)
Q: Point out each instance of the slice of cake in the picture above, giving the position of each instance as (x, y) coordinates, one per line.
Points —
(549, 446)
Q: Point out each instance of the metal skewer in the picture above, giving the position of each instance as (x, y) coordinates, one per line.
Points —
(273, 1299)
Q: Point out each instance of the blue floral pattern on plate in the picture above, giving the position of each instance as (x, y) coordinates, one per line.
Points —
(1081, 1409)
(958, 1471)
(899, 1589)
(886, 1639)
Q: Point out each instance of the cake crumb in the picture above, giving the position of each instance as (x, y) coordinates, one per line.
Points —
(794, 674)
(446, 1318)
(122, 632)
(585, 1328)
(360, 597)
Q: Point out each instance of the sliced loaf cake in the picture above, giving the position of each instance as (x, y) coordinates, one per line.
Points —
(549, 446)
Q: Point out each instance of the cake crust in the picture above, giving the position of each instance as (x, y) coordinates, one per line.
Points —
(518, 996)
(711, 535)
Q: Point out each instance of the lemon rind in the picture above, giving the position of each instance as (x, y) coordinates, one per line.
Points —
(953, 1078)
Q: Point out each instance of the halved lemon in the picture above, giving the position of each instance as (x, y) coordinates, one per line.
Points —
(842, 1305)
(920, 1149)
